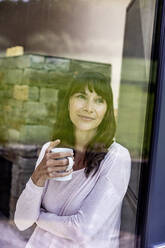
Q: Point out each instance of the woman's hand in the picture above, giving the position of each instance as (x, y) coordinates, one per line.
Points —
(50, 167)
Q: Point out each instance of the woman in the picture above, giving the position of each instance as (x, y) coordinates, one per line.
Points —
(85, 211)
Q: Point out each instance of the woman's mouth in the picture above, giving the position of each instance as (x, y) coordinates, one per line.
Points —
(86, 118)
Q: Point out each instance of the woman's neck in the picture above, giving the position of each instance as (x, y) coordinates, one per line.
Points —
(83, 138)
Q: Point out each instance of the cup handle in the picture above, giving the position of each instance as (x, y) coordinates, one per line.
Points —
(71, 162)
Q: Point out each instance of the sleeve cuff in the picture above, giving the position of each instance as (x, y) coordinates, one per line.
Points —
(33, 187)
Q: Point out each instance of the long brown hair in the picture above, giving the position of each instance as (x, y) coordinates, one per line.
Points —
(64, 130)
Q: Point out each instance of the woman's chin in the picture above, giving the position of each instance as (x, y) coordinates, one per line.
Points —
(86, 127)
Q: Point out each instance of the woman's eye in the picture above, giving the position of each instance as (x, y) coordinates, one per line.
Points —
(81, 96)
(100, 100)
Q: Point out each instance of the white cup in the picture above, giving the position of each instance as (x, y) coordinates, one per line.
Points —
(70, 165)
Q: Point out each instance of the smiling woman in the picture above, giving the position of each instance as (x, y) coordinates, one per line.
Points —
(86, 112)
(89, 125)
(84, 211)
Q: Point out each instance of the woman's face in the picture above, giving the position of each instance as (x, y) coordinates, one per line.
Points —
(87, 110)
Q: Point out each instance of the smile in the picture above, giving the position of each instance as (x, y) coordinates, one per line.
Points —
(87, 118)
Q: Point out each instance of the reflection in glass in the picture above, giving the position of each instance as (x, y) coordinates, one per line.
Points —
(133, 102)
(77, 213)
(29, 83)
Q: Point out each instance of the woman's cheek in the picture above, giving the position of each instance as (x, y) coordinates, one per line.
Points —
(101, 110)
(78, 104)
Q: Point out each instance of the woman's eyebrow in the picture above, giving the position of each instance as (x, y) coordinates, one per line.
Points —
(82, 92)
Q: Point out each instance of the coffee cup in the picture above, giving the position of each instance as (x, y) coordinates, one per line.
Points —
(70, 165)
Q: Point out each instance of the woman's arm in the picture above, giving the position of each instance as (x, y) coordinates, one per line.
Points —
(29, 202)
(47, 166)
(99, 205)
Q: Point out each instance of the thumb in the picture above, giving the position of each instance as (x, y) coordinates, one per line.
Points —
(53, 144)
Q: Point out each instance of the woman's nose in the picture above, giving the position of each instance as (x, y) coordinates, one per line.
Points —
(89, 106)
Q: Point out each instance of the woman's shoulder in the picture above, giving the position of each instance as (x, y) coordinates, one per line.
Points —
(117, 156)
(117, 149)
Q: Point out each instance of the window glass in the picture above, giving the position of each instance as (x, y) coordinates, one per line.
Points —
(55, 59)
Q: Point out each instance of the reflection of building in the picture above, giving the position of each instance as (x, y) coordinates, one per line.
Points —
(29, 100)
(133, 99)
(29, 94)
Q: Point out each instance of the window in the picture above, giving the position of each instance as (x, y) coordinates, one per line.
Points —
(58, 39)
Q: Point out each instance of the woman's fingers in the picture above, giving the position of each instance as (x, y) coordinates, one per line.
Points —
(60, 174)
(52, 145)
(55, 162)
(57, 169)
(57, 155)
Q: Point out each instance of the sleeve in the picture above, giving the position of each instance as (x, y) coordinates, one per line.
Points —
(99, 205)
(29, 202)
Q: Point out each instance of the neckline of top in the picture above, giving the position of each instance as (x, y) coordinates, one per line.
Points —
(76, 171)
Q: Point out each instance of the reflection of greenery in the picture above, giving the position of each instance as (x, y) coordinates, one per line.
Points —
(131, 117)
(133, 103)
(134, 70)
(29, 89)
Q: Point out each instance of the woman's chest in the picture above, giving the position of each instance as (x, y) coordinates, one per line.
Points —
(65, 198)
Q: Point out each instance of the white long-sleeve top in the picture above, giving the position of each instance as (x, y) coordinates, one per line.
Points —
(80, 213)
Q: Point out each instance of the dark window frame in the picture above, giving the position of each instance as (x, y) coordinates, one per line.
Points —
(151, 204)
